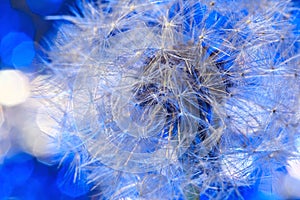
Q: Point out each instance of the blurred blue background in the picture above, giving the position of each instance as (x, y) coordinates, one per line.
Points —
(23, 25)
(22, 176)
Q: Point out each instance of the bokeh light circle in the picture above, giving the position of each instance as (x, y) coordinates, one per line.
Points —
(14, 87)
(17, 50)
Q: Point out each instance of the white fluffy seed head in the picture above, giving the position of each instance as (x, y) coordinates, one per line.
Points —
(195, 92)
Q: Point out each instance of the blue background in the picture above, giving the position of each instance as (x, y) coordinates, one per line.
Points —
(22, 27)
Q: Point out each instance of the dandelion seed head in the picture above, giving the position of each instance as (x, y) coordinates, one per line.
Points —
(174, 99)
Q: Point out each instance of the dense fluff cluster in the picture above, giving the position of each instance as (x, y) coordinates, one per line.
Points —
(175, 99)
